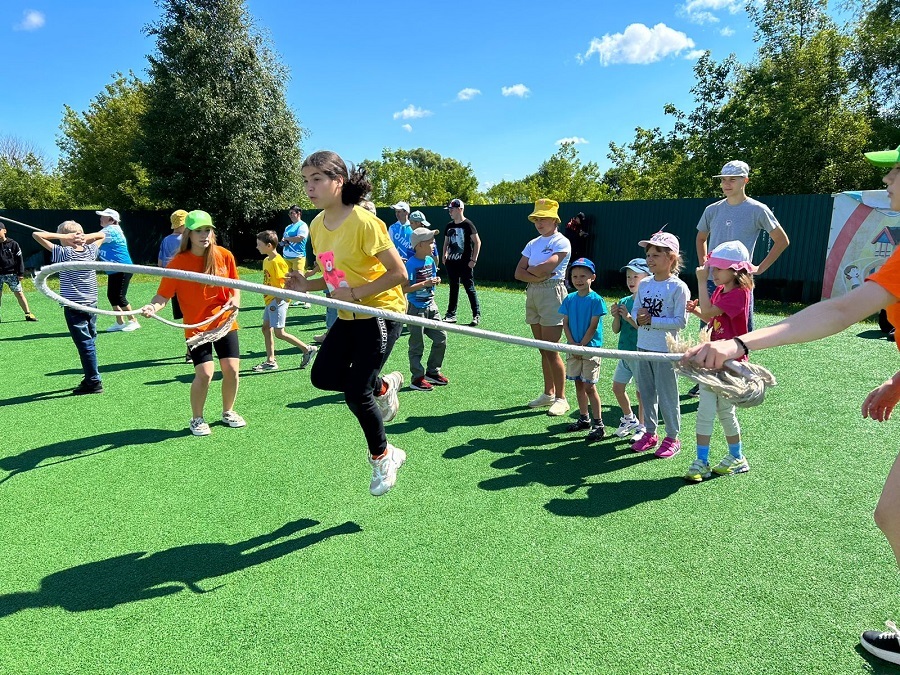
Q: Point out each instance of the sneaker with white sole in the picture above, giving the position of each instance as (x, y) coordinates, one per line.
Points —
(697, 471)
(559, 407)
(384, 470)
(627, 426)
(542, 401)
(130, 326)
(639, 434)
(731, 466)
(308, 356)
(232, 419)
(886, 645)
(389, 403)
(115, 328)
(265, 367)
(199, 427)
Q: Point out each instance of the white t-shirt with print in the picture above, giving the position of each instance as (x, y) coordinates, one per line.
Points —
(541, 249)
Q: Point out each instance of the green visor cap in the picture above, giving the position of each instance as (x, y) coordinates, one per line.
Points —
(885, 158)
(198, 219)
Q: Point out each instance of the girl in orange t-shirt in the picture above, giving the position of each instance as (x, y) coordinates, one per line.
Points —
(199, 302)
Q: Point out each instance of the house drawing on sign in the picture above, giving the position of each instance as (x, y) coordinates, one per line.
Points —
(886, 241)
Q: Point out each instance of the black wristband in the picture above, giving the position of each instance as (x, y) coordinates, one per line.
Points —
(742, 346)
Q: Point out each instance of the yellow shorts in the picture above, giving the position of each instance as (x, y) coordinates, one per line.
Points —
(296, 264)
(583, 368)
(542, 302)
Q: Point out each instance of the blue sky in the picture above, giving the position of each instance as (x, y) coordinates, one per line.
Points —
(494, 85)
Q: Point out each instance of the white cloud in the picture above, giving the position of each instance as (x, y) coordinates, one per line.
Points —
(694, 54)
(411, 112)
(726, 32)
(467, 94)
(408, 127)
(573, 140)
(638, 44)
(519, 90)
(31, 20)
(701, 11)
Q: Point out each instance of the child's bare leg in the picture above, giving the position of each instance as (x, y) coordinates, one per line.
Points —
(593, 397)
(555, 362)
(887, 513)
(582, 395)
(230, 380)
(546, 372)
(622, 398)
(290, 339)
(270, 342)
(23, 303)
(203, 374)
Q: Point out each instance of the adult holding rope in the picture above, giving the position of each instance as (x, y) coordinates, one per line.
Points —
(115, 249)
(359, 265)
(199, 302)
(880, 291)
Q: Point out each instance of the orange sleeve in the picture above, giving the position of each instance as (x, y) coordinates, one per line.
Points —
(888, 277)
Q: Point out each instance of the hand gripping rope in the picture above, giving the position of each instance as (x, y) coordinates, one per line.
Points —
(745, 390)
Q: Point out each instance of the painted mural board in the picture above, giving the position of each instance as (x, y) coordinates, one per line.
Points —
(864, 233)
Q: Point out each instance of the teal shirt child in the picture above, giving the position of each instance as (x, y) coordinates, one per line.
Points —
(628, 334)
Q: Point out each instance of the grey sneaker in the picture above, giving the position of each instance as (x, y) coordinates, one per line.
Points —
(265, 366)
(232, 419)
(199, 427)
(307, 357)
(384, 470)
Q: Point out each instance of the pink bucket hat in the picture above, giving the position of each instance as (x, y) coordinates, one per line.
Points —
(731, 255)
(663, 240)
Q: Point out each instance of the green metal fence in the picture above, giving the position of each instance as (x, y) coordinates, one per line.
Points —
(505, 229)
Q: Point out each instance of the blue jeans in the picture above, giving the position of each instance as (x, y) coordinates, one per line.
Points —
(83, 329)
(711, 287)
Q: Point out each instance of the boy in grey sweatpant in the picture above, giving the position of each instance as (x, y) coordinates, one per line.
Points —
(419, 286)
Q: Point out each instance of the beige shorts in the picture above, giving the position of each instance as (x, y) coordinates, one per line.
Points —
(542, 303)
(296, 264)
(583, 368)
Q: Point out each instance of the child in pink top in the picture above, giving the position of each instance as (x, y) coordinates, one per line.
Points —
(727, 313)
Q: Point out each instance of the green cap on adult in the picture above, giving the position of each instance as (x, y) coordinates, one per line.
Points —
(197, 220)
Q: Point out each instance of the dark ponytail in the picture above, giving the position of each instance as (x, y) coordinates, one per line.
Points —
(356, 183)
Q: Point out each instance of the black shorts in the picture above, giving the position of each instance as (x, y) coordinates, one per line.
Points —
(226, 348)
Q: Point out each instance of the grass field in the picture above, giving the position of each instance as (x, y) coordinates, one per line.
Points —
(128, 545)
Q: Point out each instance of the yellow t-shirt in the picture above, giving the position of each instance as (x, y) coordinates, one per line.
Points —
(274, 273)
(354, 244)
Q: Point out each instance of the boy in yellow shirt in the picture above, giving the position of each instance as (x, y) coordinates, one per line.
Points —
(275, 270)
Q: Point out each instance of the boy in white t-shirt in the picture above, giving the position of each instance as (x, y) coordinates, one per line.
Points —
(543, 267)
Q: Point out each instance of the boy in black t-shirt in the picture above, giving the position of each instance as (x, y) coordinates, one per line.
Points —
(461, 248)
(12, 270)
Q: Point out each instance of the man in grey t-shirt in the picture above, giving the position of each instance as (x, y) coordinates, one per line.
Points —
(738, 218)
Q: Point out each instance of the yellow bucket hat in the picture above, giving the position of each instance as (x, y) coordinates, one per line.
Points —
(178, 218)
(545, 208)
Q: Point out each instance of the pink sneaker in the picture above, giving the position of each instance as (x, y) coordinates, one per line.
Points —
(647, 442)
(668, 448)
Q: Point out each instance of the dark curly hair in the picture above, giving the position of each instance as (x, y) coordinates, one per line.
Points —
(356, 183)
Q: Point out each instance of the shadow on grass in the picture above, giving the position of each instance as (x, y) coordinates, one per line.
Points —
(464, 418)
(38, 396)
(127, 365)
(66, 451)
(34, 336)
(319, 400)
(874, 334)
(877, 665)
(604, 498)
(142, 576)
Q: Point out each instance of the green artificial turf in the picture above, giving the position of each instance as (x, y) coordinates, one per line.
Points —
(508, 545)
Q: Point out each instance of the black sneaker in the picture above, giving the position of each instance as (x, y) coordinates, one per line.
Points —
(579, 425)
(450, 318)
(694, 392)
(30, 317)
(88, 388)
(597, 433)
(476, 320)
(885, 646)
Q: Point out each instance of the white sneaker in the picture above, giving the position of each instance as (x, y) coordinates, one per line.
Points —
(558, 408)
(627, 426)
(542, 401)
(115, 328)
(232, 419)
(384, 470)
(129, 326)
(389, 403)
(199, 427)
(639, 434)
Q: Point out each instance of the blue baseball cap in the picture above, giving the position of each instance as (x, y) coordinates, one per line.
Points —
(638, 265)
(584, 262)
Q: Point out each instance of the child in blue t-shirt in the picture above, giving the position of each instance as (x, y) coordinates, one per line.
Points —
(623, 324)
(421, 272)
(582, 312)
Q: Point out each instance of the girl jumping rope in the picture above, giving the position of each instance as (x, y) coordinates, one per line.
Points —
(359, 251)
(726, 314)
(199, 253)
(660, 307)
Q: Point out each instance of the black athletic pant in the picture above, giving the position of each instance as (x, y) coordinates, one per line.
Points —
(349, 361)
(117, 288)
(462, 274)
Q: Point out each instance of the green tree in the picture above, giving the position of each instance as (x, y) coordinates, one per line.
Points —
(218, 133)
(420, 177)
(99, 161)
(565, 178)
(508, 192)
(26, 182)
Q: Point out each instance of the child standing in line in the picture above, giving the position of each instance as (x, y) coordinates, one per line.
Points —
(660, 307)
(582, 313)
(78, 286)
(275, 270)
(543, 267)
(727, 313)
(422, 277)
(629, 425)
(353, 245)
